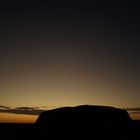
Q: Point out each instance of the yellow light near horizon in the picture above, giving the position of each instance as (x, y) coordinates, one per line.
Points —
(17, 118)
(135, 116)
(21, 118)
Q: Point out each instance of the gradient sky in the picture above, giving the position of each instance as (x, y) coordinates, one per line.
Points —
(60, 54)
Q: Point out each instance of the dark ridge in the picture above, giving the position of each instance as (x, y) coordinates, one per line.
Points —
(80, 122)
(84, 114)
(85, 120)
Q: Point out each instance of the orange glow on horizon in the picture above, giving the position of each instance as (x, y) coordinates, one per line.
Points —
(22, 118)
(17, 118)
(135, 116)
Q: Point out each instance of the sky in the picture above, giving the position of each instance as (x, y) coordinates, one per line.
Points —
(58, 54)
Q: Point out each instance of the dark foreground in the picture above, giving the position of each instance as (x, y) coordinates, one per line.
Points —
(30, 131)
(81, 122)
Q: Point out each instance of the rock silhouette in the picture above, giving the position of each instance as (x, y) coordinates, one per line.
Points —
(81, 122)
(85, 120)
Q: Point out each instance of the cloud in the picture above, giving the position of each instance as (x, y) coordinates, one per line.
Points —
(38, 110)
(4, 107)
(134, 110)
(25, 108)
(22, 110)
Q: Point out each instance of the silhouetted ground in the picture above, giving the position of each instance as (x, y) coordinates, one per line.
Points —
(72, 127)
(29, 131)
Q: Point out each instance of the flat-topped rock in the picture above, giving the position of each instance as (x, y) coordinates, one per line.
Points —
(85, 114)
